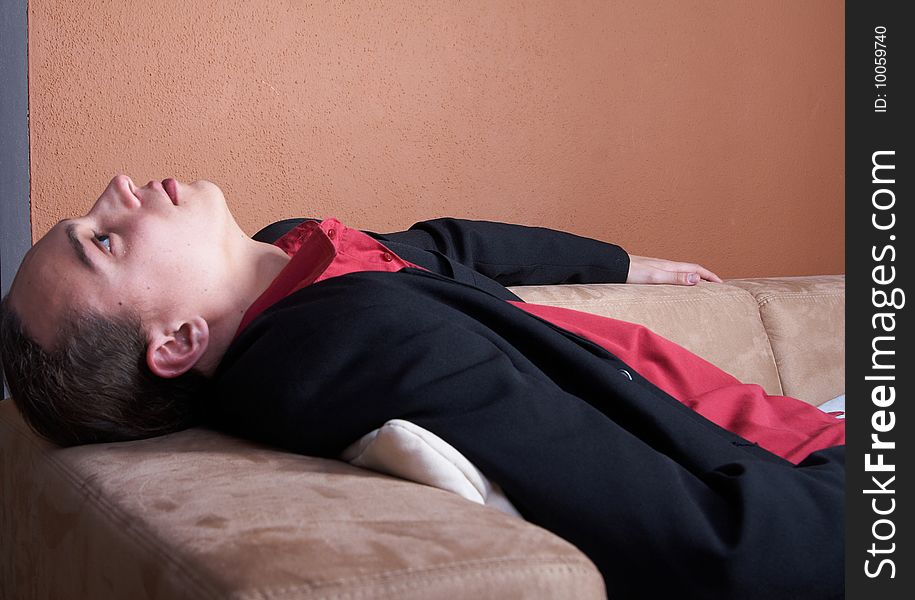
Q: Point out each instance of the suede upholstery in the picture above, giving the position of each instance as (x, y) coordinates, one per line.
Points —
(199, 514)
(805, 321)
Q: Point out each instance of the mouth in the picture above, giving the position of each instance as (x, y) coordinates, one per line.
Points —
(171, 188)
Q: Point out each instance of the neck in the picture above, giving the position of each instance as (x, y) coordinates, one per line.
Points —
(254, 268)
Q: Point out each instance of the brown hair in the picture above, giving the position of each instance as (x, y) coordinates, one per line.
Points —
(95, 386)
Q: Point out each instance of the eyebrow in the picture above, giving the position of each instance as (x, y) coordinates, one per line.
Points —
(78, 247)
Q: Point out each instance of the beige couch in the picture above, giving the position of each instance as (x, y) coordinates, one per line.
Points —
(198, 514)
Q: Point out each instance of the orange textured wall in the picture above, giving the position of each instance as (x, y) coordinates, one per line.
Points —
(703, 130)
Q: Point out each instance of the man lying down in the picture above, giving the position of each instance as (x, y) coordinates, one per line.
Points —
(154, 312)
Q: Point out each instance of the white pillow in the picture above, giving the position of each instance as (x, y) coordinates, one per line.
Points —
(408, 451)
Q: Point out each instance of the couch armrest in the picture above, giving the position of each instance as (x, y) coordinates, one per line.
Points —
(804, 318)
(198, 514)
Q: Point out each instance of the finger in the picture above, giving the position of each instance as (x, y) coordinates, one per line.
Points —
(674, 277)
(670, 265)
(686, 278)
(707, 275)
(647, 269)
(687, 268)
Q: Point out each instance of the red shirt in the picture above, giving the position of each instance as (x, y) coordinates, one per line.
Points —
(320, 251)
(785, 426)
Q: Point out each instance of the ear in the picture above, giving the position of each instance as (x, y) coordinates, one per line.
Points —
(172, 352)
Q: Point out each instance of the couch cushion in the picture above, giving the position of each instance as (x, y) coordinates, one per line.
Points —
(198, 514)
(719, 322)
(805, 319)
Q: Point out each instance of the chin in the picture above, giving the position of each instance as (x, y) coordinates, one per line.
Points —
(206, 191)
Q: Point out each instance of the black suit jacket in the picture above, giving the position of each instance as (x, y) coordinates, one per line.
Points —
(661, 499)
(492, 255)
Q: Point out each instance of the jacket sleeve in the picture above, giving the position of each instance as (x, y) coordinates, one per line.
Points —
(518, 254)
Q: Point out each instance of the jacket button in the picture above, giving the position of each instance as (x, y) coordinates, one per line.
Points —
(626, 373)
(387, 257)
(331, 233)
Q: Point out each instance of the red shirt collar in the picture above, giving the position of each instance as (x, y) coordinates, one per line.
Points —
(320, 251)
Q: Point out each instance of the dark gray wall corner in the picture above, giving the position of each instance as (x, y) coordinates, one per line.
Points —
(15, 222)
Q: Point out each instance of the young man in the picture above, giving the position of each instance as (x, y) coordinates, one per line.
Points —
(155, 310)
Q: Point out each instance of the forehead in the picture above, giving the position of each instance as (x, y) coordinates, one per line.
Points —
(50, 283)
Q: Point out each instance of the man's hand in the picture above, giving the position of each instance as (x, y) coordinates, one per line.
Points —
(644, 269)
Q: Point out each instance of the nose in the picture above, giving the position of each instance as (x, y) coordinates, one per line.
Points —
(154, 185)
(124, 190)
(122, 182)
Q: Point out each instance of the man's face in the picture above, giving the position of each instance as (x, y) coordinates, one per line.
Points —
(141, 249)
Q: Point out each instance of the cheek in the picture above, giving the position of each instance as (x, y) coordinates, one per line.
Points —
(176, 254)
(184, 268)
(159, 245)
